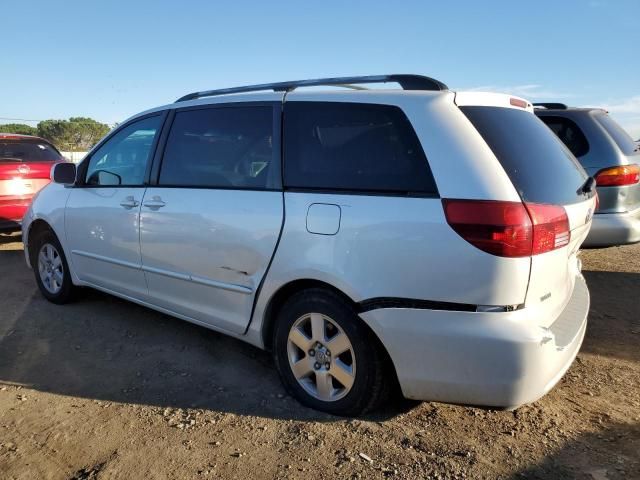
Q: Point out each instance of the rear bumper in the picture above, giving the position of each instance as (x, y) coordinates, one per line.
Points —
(492, 359)
(12, 209)
(610, 229)
(7, 226)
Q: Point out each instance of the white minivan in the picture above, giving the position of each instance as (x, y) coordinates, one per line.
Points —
(368, 237)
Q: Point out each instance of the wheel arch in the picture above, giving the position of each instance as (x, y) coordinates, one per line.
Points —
(286, 291)
(35, 227)
(282, 294)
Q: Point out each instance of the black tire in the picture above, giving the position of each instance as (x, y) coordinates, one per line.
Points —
(373, 373)
(67, 290)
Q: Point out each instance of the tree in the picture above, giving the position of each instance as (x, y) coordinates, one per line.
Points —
(19, 128)
(75, 134)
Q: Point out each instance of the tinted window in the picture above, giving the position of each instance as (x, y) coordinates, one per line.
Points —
(353, 147)
(228, 147)
(123, 159)
(619, 135)
(540, 167)
(569, 133)
(27, 151)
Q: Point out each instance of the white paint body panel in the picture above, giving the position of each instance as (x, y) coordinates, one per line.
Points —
(206, 251)
(392, 247)
(553, 274)
(492, 359)
(103, 238)
(48, 205)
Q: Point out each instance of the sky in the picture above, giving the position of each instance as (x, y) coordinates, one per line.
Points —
(111, 59)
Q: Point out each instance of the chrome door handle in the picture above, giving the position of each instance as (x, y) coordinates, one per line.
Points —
(129, 202)
(155, 203)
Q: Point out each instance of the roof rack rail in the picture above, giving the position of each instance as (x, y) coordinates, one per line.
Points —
(551, 106)
(407, 82)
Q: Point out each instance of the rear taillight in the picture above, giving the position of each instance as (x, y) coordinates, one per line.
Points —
(509, 229)
(618, 176)
(550, 227)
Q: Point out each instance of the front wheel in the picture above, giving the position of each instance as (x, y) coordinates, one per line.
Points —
(327, 358)
(51, 269)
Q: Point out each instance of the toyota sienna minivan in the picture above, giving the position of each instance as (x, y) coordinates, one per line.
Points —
(368, 237)
(608, 153)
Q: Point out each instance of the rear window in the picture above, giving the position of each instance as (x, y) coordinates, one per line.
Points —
(619, 135)
(27, 151)
(353, 147)
(540, 167)
(570, 134)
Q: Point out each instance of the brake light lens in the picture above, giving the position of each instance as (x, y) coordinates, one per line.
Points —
(517, 102)
(550, 227)
(509, 229)
(618, 176)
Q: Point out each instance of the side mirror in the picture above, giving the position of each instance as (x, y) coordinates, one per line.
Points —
(64, 173)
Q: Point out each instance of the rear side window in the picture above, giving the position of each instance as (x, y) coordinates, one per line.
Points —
(540, 167)
(223, 147)
(27, 151)
(353, 147)
(619, 135)
(569, 133)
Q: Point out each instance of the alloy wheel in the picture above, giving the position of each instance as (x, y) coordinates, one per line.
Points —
(321, 357)
(50, 268)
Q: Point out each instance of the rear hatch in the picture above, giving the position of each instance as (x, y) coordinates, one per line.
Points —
(25, 165)
(548, 178)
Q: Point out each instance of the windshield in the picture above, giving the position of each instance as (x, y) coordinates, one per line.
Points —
(539, 165)
(619, 135)
(27, 151)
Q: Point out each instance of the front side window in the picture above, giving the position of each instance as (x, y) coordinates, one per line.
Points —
(569, 133)
(222, 147)
(353, 147)
(123, 159)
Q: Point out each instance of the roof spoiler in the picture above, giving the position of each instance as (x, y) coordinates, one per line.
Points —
(407, 82)
(551, 106)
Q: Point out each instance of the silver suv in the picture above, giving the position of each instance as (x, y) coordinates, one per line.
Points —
(367, 237)
(611, 156)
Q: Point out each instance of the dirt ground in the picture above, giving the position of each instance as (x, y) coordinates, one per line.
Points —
(105, 389)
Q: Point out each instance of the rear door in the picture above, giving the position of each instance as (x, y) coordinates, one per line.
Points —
(544, 172)
(210, 224)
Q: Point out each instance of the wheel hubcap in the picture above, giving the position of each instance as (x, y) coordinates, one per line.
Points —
(321, 357)
(50, 268)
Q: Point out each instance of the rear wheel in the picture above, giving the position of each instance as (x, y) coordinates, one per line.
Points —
(51, 269)
(327, 358)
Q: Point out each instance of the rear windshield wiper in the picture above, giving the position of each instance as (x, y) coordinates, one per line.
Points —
(11, 159)
(588, 186)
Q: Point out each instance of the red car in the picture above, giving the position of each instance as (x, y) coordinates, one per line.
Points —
(25, 166)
